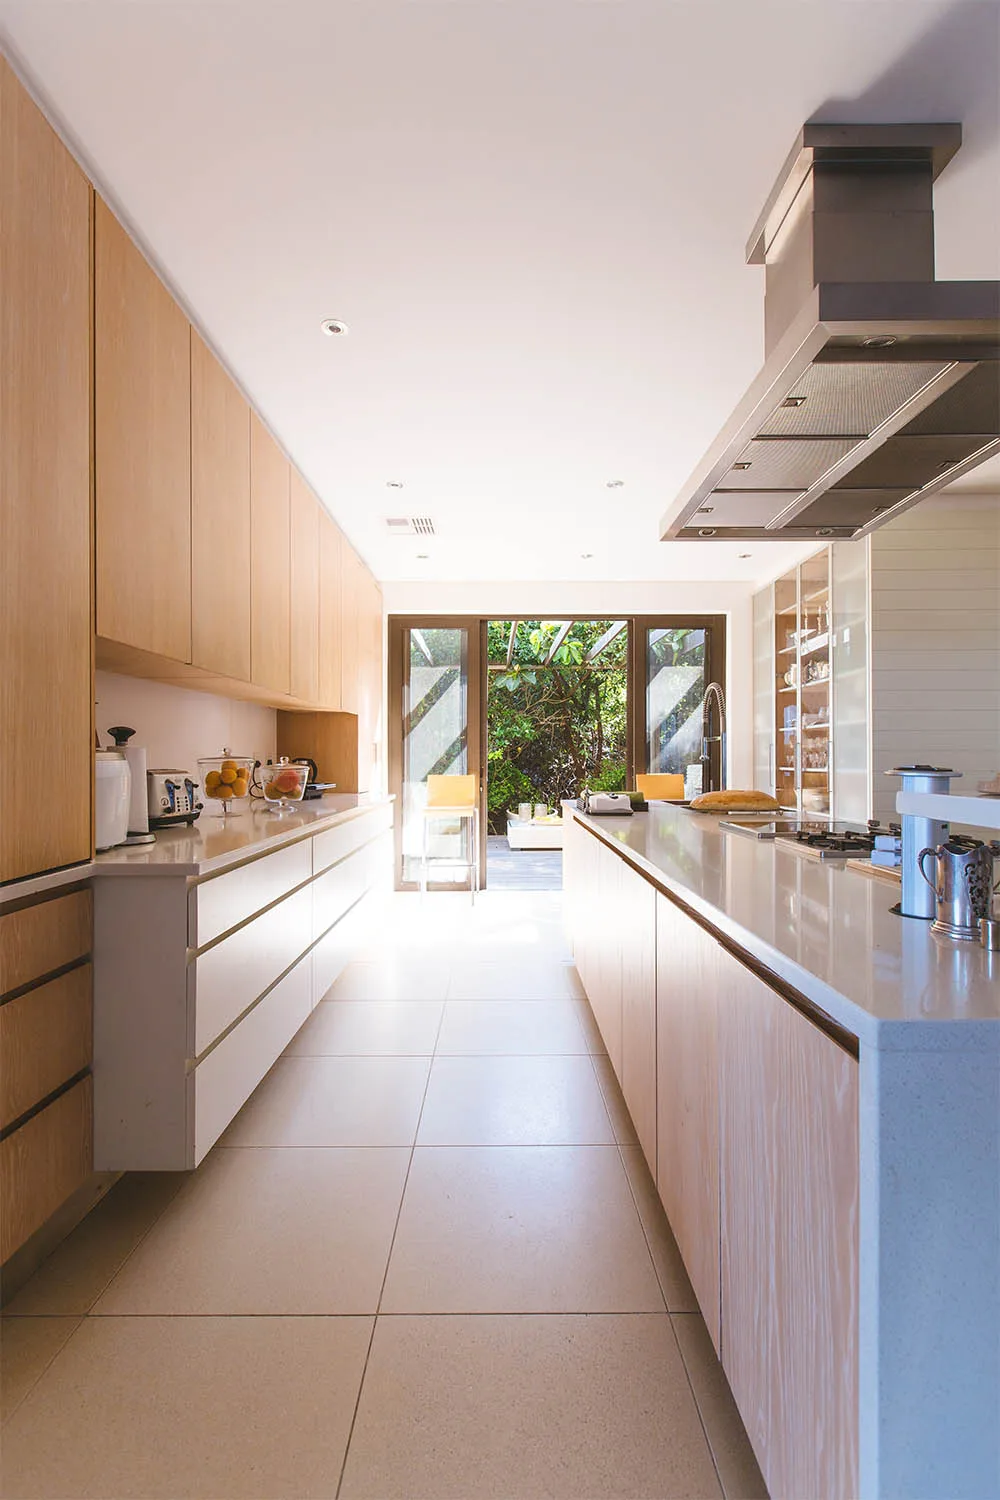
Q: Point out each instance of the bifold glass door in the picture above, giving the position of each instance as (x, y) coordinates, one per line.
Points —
(434, 680)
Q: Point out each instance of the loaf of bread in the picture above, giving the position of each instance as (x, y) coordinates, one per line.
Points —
(735, 801)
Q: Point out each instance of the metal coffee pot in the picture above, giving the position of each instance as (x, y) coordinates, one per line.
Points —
(963, 885)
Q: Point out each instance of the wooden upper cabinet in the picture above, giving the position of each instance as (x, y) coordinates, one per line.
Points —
(304, 573)
(220, 518)
(46, 693)
(270, 561)
(329, 611)
(142, 417)
(370, 677)
(789, 1152)
(350, 627)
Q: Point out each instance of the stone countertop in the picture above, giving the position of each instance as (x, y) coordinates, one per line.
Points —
(826, 930)
(213, 844)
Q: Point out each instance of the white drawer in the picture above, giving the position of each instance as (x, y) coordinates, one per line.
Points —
(336, 843)
(230, 976)
(225, 1079)
(226, 900)
(333, 893)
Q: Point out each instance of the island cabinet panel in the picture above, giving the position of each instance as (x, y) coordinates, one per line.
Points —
(606, 965)
(330, 605)
(638, 950)
(692, 973)
(142, 459)
(46, 697)
(304, 574)
(270, 561)
(789, 1153)
(220, 518)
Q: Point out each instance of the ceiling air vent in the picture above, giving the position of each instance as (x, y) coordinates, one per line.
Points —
(409, 526)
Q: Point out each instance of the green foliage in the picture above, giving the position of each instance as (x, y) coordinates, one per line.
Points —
(560, 724)
(507, 786)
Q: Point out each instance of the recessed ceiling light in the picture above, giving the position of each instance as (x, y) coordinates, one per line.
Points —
(586, 556)
(878, 341)
(334, 326)
(706, 530)
(744, 554)
(614, 484)
(422, 556)
(825, 531)
(394, 484)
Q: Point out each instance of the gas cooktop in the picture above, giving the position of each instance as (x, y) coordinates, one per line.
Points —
(826, 839)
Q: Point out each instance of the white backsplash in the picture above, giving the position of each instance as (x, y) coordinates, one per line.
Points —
(177, 725)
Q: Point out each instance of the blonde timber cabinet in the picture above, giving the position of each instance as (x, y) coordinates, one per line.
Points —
(691, 971)
(270, 561)
(142, 460)
(220, 518)
(789, 1173)
(305, 510)
(330, 591)
(45, 517)
(350, 631)
(755, 1156)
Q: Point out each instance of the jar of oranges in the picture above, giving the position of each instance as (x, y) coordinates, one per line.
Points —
(225, 779)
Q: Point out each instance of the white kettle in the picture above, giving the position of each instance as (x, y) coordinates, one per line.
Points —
(111, 802)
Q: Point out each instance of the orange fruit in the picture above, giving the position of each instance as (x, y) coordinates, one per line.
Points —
(223, 792)
(240, 787)
(229, 765)
(227, 776)
(211, 782)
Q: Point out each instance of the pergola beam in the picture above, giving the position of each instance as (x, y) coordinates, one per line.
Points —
(560, 636)
(606, 639)
(513, 637)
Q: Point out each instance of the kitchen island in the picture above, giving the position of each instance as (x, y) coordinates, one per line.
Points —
(816, 1085)
(211, 948)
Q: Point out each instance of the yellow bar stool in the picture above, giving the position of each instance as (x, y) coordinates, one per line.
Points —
(450, 798)
(661, 787)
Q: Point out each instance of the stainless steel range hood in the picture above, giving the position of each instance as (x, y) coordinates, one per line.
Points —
(880, 384)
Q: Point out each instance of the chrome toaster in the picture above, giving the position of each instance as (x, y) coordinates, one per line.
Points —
(172, 797)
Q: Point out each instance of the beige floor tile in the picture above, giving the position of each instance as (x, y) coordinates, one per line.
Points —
(519, 1229)
(734, 1458)
(621, 1120)
(333, 1101)
(591, 1030)
(190, 1409)
(476, 979)
(270, 1231)
(566, 1408)
(27, 1348)
(521, 1027)
(670, 1270)
(400, 978)
(369, 1028)
(77, 1272)
(514, 1101)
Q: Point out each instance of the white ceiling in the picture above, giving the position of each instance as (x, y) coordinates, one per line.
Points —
(531, 214)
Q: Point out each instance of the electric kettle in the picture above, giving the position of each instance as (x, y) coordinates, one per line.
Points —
(962, 885)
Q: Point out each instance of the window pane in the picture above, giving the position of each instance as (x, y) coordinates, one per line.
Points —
(675, 686)
(435, 742)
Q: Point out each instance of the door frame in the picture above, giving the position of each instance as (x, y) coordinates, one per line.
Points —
(477, 678)
(715, 671)
(397, 627)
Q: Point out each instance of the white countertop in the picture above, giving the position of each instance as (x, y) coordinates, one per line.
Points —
(212, 844)
(206, 847)
(826, 930)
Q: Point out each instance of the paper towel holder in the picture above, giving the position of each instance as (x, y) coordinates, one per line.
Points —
(138, 812)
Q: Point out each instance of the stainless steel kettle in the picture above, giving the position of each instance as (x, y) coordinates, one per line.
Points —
(963, 885)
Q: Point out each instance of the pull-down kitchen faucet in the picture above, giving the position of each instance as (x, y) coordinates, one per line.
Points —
(708, 739)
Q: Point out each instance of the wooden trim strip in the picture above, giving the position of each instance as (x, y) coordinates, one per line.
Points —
(808, 1008)
(50, 1098)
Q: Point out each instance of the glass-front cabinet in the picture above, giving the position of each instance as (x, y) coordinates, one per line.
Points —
(802, 739)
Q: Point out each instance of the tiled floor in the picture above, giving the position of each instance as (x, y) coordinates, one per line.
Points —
(426, 1260)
